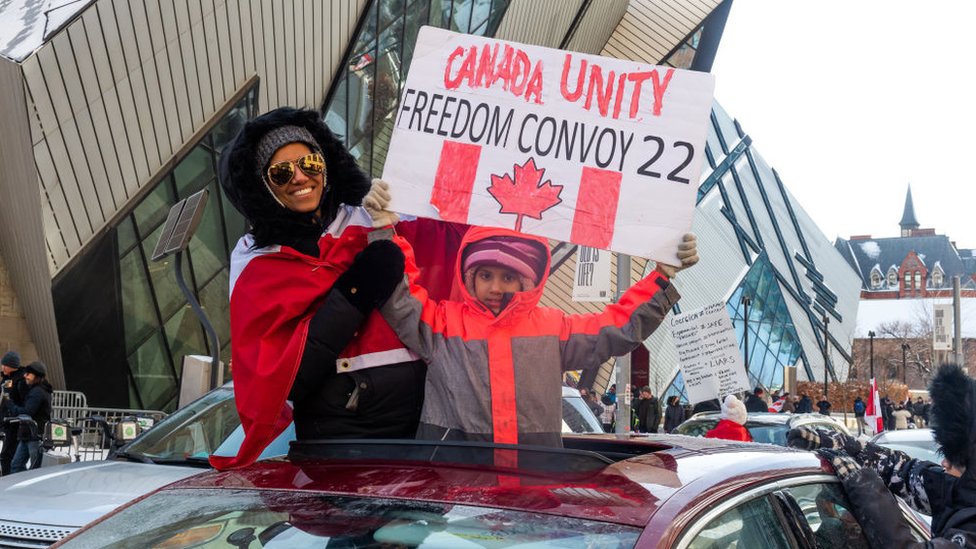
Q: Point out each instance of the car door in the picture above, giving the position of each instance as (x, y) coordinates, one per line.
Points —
(807, 512)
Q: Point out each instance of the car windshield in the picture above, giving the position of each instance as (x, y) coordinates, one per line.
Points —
(296, 520)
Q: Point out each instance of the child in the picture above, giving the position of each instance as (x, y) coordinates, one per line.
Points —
(495, 359)
(732, 421)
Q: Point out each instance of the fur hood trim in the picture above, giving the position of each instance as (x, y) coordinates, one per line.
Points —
(271, 223)
(953, 396)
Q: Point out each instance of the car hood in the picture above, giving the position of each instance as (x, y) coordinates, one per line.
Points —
(75, 494)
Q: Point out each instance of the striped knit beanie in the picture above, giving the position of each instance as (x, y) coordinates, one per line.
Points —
(525, 257)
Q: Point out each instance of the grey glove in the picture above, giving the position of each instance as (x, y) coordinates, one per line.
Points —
(376, 202)
(687, 254)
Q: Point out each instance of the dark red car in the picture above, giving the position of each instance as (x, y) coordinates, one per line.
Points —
(601, 491)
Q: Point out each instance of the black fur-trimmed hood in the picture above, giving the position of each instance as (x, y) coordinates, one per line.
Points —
(270, 222)
(953, 396)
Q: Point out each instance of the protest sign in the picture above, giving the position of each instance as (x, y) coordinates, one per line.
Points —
(708, 354)
(592, 282)
(601, 152)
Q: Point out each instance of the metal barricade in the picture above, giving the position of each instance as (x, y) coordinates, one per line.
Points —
(69, 405)
(94, 432)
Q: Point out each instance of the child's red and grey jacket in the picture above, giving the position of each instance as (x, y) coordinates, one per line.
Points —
(499, 378)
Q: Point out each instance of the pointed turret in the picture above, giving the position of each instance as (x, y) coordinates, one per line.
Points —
(908, 221)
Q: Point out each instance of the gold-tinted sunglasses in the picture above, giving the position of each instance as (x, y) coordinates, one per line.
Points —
(281, 173)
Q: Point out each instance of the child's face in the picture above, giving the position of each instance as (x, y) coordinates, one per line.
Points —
(492, 283)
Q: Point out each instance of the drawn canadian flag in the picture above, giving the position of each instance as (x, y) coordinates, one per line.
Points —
(525, 192)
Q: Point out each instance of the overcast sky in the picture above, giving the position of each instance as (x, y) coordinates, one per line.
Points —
(852, 101)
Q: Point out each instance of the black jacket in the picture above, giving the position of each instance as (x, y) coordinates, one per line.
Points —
(674, 414)
(648, 415)
(755, 404)
(804, 406)
(37, 404)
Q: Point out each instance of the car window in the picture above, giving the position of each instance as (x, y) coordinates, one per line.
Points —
(826, 511)
(769, 434)
(578, 416)
(696, 428)
(193, 431)
(752, 525)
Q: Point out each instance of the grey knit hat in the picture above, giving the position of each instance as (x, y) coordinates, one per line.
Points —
(279, 137)
(11, 359)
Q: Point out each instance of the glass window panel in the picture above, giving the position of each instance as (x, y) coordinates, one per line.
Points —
(215, 302)
(153, 374)
(163, 276)
(138, 308)
(234, 223)
(440, 12)
(126, 234)
(416, 16)
(152, 211)
(208, 251)
(194, 172)
(827, 511)
(335, 118)
(230, 124)
(390, 11)
(753, 524)
(184, 334)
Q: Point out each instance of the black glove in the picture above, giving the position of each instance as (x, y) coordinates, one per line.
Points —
(842, 463)
(373, 275)
(810, 438)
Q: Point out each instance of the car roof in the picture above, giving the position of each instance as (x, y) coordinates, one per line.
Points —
(637, 479)
(905, 435)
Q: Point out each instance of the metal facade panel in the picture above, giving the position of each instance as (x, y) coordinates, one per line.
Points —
(596, 26)
(543, 23)
(652, 28)
(117, 92)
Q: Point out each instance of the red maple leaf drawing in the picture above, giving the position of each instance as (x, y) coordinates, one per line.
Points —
(525, 195)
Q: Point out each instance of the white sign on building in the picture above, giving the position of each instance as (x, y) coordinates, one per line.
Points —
(592, 282)
(942, 327)
(600, 152)
(708, 353)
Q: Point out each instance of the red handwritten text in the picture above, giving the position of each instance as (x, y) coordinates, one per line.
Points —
(518, 74)
(602, 88)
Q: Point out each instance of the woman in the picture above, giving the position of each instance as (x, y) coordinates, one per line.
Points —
(304, 288)
(674, 414)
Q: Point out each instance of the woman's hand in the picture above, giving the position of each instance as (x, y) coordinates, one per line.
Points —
(376, 201)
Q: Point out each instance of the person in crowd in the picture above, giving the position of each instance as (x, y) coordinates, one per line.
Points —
(823, 406)
(887, 413)
(15, 388)
(304, 289)
(755, 401)
(902, 417)
(609, 416)
(805, 405)
(594, 404)
(612, 393)
(498, 338)
(674, 414)
(859, 410)
(37, 405)
(789, 403)
(713, 405)
(648, 411)
(918, 412)
(732, 421)
(873, 475)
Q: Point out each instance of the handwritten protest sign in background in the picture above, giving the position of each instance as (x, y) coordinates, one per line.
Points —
(601, 152)
(708, 354)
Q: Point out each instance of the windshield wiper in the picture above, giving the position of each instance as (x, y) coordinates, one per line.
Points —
(134, 456)
(189, 461)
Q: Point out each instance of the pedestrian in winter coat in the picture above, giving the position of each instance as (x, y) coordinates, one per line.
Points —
(872, 474)
(609, 415)
(887, 414)
(732, 421)
(304, 289)
(674, 414)
(648, 412)
(497, 339)
(755, 401)
(15, 388)
(789, 403)
(805, 405)
(37, 405)
(824, 406)
(902, 416)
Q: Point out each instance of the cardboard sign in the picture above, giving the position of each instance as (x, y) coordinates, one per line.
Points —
(596, 151)
(592, 282)
(708, 354)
